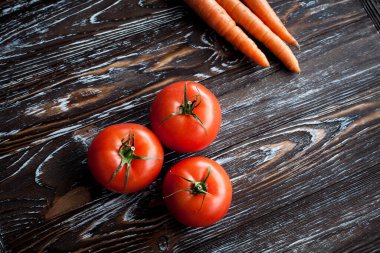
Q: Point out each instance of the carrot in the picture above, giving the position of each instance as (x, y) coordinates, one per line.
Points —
(218, 19)
(263, 10)
(244, 17)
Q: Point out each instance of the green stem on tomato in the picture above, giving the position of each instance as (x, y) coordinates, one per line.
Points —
(187, 107)
(197, 187)
(127, 154)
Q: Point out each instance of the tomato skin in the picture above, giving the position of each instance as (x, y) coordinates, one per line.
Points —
(183, 133)
(104, 158)
(186, 207)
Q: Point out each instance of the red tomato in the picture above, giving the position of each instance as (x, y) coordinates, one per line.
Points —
(186, 116)
(197, 191)
(125, 157)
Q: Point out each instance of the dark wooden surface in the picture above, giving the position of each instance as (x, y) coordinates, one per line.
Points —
(302, 151)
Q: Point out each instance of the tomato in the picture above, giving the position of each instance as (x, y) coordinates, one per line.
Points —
(197, 191)
(125, 157)
(186, 116)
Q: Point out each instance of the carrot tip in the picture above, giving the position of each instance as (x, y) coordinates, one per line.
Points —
(297, 45)
(296, 70)
(264, 63)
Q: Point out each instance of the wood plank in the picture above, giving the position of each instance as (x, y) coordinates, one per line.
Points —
(291, 144)
(372, 7)
(314, 223)
(310, 152)
(48, 115)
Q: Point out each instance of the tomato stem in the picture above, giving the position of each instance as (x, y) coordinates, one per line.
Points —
(187, 107)
(197, 187)
(127, 154)
(180, 190)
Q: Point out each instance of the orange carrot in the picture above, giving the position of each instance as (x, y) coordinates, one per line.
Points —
(244, 17)
(263, 10)
(218, 19)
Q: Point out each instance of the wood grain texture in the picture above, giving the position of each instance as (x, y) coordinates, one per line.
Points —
(302, 151)
(372, 7)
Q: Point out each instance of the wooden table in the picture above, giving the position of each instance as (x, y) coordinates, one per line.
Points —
(302, 151)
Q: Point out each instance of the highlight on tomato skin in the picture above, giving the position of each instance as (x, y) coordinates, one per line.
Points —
(125, 157)
(197, 191)
(186, 116)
